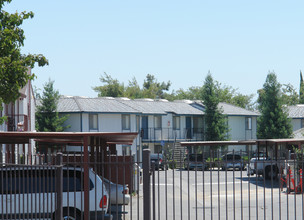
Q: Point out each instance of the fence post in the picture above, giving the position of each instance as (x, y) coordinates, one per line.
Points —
(146, 184)
(59, 177)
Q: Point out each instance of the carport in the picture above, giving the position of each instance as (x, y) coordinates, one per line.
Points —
(98, 141)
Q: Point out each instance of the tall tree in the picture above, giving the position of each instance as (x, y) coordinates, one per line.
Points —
(112, 87)
(273, 122)
(216, 123)
(301, 101)
(13, 64)
(47, 117)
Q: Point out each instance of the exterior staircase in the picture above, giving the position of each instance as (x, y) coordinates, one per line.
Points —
(179, 153)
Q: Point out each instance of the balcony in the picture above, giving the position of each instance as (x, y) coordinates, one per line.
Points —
(17, 123)
(172, 135)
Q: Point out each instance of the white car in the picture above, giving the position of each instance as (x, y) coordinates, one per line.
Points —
(29, 192)
(119, 194)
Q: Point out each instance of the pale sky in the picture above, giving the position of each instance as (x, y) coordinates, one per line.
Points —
(239, 42)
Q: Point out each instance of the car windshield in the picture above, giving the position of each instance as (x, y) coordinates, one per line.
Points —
(156, 156)
(195, 157)
(260, 154)
(231, 157)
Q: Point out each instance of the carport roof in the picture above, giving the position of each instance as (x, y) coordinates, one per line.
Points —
(72, 138)
(244, 142)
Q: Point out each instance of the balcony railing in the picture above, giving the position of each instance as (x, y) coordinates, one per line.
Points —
(169, 134)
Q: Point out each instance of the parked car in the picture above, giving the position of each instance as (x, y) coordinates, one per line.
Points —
(29, 192)
(159, 161)
(119, 194)
(262, 164)
(232, 161)
(195, 161)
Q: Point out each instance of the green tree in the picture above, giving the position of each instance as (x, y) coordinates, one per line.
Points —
(273, 122)
(216, 123)
(13, 64)
(47, 117)
(112, 87)
(225, 94)
(133, 90)
(153, 89)
(193, 93)
(301, 101)
(230, 95)
(289, 96)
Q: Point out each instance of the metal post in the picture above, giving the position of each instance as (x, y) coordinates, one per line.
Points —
(146, 184)
(59, 175)
(86, 178)
(153, 189)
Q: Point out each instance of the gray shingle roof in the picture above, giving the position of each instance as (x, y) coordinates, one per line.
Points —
(162, 107)
(296, 111)
(141, 106)
(229, 109)
(81, 104)
(235, 110)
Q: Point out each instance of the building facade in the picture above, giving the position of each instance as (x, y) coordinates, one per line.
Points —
(20, 117)
(159, 123)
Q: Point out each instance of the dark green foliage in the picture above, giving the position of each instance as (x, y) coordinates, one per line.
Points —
(14, 65)
(215, 121)
(289, 95)
(273, 122)
(47, 118)
(112, 87)
(301, 101)
(153, 89)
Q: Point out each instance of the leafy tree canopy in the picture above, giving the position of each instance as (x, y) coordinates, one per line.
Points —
(289, 95)
(112, 87)
(153, 89)
(13, 64)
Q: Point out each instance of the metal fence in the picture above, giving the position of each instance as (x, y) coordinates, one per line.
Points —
(230, 185)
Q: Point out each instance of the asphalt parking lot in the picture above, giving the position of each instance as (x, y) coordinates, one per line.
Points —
(216, 194)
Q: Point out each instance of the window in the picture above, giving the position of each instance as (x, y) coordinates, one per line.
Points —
(302, 123)
(137, 123)
(125, 122)
(248, 123)
(198, 124)
(158, 149)
(126, 150)
(176, 122)
(38, 181)
(93, 121)
(157, 122)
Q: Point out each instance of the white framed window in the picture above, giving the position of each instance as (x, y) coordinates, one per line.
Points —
(176, 122)
(157, 122)
(93, 121)
(248, 123)
(126, 122)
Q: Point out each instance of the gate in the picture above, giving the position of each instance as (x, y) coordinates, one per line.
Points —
(223, 187)
(207, 185)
